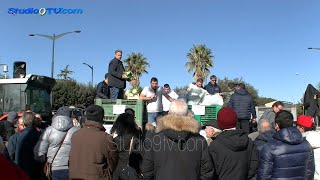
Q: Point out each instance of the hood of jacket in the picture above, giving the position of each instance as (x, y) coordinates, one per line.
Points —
(235, 140)
(266, 136)
(241, 91)
(313, 138)
(178, 128)
(62, 123)
(289, 135)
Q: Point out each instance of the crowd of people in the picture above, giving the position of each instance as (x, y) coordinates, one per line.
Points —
(171, 146)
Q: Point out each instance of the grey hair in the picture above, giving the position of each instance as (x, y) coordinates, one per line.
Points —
(179, 108)
(29, 119)
(264, 125)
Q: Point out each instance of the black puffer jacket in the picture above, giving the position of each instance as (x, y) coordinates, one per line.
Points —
(287, 156)
(263, 138)
(177, 151)
(233, 155)
(241, 102)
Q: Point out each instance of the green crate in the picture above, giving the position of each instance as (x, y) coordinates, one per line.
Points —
(210, 114)
(137, 105)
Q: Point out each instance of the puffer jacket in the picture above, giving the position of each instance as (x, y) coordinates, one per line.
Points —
(263, 138)
(241, 102)
(287, 156)
(50, 141)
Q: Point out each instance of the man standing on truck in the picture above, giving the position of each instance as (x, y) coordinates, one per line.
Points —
(153, 96)
(212, 87)
(117, 80)
(103, 91)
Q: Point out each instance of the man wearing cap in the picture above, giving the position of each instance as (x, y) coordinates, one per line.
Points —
(210, 131)
(103, 89)
(233, 152)
(305, 125)
(288, 155)
(212, 87)
(93, 153)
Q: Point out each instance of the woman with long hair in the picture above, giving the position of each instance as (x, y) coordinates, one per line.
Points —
(124, 131)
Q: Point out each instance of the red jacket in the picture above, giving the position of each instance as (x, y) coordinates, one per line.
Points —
(11, 171)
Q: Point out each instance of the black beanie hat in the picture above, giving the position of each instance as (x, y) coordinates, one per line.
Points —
(95, 113)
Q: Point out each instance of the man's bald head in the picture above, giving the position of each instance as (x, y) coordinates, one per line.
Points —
(179, 108)
(263, 126)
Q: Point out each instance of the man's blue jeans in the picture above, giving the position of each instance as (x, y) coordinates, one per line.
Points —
(116, 93)
(152, 116)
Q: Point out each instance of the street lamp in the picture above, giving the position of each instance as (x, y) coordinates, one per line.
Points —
(91, 67)
(53, 38)
(304, 76)
(314, 48)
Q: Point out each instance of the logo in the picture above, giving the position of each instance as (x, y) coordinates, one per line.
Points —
(45, 11)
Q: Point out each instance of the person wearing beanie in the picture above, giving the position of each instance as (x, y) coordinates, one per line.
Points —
(93, 153)
(305, 125)
(233, 152)
(288, 155)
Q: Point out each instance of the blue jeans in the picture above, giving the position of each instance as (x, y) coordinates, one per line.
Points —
(60, 174)
(152, 116)
(116, 93)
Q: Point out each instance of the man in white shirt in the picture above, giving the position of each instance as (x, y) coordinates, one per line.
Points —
(153, 96)
(165, 102)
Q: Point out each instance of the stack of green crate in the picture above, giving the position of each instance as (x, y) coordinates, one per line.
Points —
(211, 113)
(107, 104)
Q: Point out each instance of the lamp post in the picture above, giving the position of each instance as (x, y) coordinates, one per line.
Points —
(304, 76)
(53, 38)
(91, 67)
(314, 48)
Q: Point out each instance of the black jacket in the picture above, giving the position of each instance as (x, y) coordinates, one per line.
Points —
(123, 146)
(241, 102)
(177, 151)
(263, 138)
(234, 156)
(115, 72)
(7, 129)
(212, 89)
(287, 156)
(20, 148)
(310, 103)
(102, 90)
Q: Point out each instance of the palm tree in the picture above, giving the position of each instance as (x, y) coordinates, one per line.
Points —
(137, 64)
(64, 73)
(200, 60)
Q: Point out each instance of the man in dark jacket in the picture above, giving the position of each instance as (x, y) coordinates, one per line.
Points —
(7, 126)
(21, 148)
(212, 87)
(233, 152)
(241, 102)
(265, 134)
(177, 151)
(93, 154)
(117, 80)
(288, 155)
(103, 89)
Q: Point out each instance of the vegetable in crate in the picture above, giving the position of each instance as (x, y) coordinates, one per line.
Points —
(129, 75)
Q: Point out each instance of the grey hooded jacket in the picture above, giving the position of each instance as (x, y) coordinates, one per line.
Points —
(50, 141)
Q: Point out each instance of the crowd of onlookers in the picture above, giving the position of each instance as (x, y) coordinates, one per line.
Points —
(177, 147)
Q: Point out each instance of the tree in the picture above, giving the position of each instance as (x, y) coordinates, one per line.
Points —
(70, 92)
(200, 60)
(137, 64)
(64, 73)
